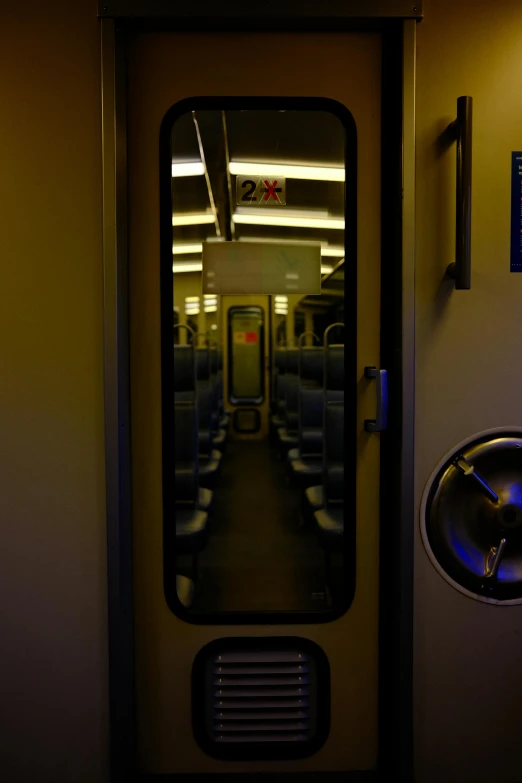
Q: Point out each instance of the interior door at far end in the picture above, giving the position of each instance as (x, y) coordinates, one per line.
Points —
(255, 569)
(246, 351)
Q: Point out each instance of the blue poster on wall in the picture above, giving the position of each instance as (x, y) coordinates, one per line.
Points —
(516, 212)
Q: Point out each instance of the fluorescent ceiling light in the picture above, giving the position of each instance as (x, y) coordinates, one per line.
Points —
(192, 169)
(192, 219)
(334, 252)
(192, 299)
(325, 173)
(281, 298)
(197, 267)
(325, 270)
(179, 250)
(211, 309)
(267, 217)
(281, 312)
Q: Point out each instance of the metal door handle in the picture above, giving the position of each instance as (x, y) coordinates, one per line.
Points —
(380, 422)
(469, 470)
(460, 130)
(493, 558)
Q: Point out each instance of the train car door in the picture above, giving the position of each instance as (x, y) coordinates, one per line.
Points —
(246, 351)
(345, 68)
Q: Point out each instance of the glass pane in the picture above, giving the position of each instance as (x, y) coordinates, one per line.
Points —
(254, 519)
(246, 359)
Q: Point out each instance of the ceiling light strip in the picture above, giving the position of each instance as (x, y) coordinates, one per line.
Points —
(196, 267)
(192, 219)
(271, 169)
(181, 250)
(290, 221)
(192, 169)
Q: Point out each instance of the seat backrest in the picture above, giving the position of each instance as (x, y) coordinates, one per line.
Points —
(289, 405)
(205, 422)
(185, 452)
(221, 401)
(277, 383)
(311, 406)
(184, 373)
(214, 384)
(202, 364)
(292, 361)
(333, 455)
(291, 410)
(281, 395)
(334, 373)
(280, 360)
(311, 366)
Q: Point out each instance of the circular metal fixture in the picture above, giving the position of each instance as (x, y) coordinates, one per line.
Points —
(471, 517)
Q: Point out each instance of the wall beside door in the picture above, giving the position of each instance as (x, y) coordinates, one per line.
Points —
(53, 649)
(468, 377)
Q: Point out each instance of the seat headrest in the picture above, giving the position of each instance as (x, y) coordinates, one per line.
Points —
(184, 369)
(311, 364)
(334, 368)
(292, 360)
(202, 364)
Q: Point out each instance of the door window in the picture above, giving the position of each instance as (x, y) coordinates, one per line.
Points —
(253, 404)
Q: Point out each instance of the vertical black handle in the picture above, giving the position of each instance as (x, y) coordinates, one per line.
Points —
(461, 131)
(381, 420)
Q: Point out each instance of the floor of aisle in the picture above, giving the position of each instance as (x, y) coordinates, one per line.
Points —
(258, 557)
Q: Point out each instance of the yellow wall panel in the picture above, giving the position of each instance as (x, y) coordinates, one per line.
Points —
(53, 648)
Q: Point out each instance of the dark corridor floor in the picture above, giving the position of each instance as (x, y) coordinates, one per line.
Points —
(258, 558)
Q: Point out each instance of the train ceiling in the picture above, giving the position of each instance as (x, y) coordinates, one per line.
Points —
(210, 147)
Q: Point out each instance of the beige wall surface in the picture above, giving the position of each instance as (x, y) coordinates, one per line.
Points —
(468, 655)
(53, 639)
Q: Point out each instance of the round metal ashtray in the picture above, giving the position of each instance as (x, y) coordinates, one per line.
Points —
(471, 517)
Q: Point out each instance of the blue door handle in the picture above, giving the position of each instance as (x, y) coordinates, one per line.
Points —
(380, 422)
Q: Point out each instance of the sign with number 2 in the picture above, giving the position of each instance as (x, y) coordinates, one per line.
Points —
(260, 191)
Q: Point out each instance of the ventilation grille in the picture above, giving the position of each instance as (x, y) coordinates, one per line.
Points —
(263, 698)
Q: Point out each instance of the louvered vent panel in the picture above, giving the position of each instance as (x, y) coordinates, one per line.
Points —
(265, 698)
(262, 696)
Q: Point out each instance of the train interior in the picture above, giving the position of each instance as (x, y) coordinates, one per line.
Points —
(258, 374)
